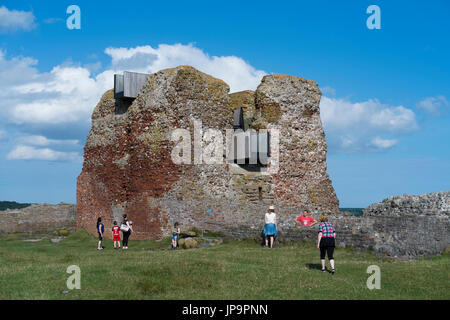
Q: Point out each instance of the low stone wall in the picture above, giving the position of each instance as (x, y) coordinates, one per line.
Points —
(399, 237)
(38, 218)
(430, 204)
(402, 227)
(409, 225)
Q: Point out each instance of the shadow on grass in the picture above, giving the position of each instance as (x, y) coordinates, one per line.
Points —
(314, 266)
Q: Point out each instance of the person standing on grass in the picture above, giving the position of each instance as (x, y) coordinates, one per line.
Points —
(126, 231)
(100, 231)
(116, 234)
(305, 220)
(175, 234)
(270, 226)
(326, 242)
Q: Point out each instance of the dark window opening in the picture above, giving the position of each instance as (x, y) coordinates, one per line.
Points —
(121, 105)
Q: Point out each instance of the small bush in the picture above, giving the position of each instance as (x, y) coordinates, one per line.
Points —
(63, 232)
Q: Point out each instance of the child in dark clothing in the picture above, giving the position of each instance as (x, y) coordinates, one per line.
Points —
(100, 231)
(175, 234)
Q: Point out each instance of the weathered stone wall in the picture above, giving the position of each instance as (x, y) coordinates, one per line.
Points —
(38, 218)
(402, 227)
(291, 104)
(409, 225)
(430, 204)
(399, 237)
(128, 167)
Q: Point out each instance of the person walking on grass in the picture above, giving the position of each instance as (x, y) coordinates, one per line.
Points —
(116, 235)
(326, 242)
(100, 231)
(270, 226)
(305, 220)
(175, 234)
(126, 229)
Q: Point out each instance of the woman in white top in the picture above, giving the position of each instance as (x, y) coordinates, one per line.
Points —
(126, 229)
(270, 226)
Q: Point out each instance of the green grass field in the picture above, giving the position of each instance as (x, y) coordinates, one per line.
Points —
(232, 270)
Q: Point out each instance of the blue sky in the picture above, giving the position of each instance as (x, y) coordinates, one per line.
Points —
(386, 92)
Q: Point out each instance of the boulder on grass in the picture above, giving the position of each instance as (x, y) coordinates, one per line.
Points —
(190, 243)
(188, 234)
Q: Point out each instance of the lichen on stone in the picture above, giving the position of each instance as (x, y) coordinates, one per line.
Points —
(122, 162)
(243, 99)
(259, 124)
(105, 106)
(154, 138)
(311, 145)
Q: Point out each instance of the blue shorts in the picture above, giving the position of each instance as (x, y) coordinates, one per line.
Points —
(175, 238)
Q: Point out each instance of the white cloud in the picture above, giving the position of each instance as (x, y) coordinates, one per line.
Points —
(43, 141)
(329, 91)
(15, 71)
(383, 143)
(13, 20)
(66, 94)
(28, 149)
(357, 127)
(22, 152)
(93, 67)
(433, 105)
(236, 72)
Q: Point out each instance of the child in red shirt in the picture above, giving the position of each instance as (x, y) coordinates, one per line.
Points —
(305, 220)
(116, 234)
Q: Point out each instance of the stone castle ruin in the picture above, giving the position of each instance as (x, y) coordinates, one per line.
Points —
(128, 158)
(129, 168)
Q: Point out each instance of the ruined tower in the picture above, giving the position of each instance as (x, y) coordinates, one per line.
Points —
(128, 164)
